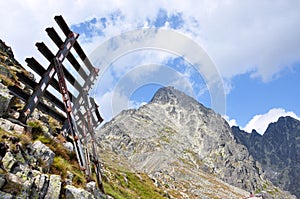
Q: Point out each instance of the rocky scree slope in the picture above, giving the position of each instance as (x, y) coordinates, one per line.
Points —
(35, 161)
(183, 145)
(278, 151)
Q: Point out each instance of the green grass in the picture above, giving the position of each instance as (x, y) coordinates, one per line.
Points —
(63, 161)
(60, 167)
(133, 187)
(5, 136)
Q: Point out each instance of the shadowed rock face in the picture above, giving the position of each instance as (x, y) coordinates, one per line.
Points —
(178, 137)
(278, 150)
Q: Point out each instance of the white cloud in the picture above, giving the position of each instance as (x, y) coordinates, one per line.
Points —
(241, 36)
(231, 122)
(112, 103)
(256, 37)
(135, 104)
(260, 122)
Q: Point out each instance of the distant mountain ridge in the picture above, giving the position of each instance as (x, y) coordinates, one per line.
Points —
(278, 151)
(178, 141)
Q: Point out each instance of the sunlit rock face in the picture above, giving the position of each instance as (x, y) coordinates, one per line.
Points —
(176, 138)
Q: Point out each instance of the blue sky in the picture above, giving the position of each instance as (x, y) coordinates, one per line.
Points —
(254, 45)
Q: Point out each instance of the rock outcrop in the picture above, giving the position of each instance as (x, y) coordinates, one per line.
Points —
(44, 154)
(278, 151)
(22, 166)
(26, 168)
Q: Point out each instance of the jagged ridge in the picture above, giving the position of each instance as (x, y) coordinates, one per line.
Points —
(277, 150)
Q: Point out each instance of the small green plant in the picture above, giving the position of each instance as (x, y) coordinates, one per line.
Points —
(14, 139)
(37, 128)
(43, 139)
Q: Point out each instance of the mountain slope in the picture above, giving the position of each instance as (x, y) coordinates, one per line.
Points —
(278, 152)
(183, 144)
(34, 162)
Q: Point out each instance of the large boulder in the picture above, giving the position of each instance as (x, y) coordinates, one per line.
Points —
(5, 99)
(39, 186)
(43, 154)
(77, 193)
(54, 187)
(8, 126)
(16, 186)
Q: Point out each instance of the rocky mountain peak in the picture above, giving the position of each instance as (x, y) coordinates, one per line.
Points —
(167, 95)
(172, 96)
(176, 137)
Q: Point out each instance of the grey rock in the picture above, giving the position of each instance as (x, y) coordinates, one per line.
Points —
(43, 154)
(24, 172)
(6, 125)
(68, 146)
(69, 178)
(18, 129)
(39, 186)
(16, 186)
(77, 193)
(2, 180)
(4, 195)
(8, 161)
(92, 188)
(20, 158)
(54, 187)
(11, 127)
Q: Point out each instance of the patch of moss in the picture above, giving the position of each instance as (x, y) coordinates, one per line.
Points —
(53, 124)
(165, 139)
(122, 185)
(37, 128)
